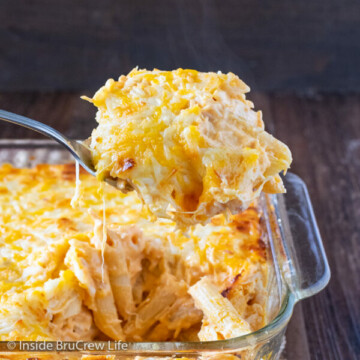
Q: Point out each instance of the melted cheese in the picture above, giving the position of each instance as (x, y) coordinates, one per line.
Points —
(189, 142)
(104, 233)
(41, 295)
(76, 198)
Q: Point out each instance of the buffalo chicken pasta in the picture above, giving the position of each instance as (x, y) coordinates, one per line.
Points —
(85, 272)
(189, 142)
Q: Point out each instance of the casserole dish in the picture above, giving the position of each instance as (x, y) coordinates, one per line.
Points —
(299, 270)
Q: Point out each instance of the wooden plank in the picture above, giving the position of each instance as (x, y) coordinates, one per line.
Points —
(305, 46)
(324, 135)
(297, 347)
(63, 111)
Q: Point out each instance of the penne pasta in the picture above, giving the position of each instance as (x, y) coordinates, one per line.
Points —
(68, 283)
(219, 311)
(86, 263)
(156, 307)
(119, 277)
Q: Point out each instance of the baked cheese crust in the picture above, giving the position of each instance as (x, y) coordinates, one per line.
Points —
(61, 280)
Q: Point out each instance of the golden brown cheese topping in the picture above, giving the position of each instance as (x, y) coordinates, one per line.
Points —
(149, 282)
(188, 142)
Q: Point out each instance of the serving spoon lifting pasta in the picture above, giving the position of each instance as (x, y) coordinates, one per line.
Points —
(78, 149)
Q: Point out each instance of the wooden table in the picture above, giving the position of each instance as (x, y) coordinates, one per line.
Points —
(324, 136)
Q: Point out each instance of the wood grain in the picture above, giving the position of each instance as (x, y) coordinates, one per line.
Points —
(324, 135)
(282, 45)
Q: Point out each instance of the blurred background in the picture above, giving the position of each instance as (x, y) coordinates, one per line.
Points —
(281, 45)
(301, 60)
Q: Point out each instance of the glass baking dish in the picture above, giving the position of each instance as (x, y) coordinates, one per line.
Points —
(299, 266)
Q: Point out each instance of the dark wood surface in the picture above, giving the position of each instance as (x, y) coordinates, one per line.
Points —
(281, 45)
(324, 136)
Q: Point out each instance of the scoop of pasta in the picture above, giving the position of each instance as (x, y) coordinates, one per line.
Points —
(188, 142)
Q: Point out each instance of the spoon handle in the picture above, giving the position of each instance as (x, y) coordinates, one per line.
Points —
(78, 149)
(34, 125)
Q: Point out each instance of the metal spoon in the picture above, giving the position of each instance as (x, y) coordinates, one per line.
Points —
(79, 150)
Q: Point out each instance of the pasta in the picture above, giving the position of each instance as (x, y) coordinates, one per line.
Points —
(188, 142)
(85, 262)
(219, 313)
(61, 279)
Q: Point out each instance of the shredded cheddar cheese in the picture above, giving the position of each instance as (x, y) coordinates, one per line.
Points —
(90, 272)
(189, 142)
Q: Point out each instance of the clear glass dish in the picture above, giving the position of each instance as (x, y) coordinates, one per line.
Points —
(300, 270)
